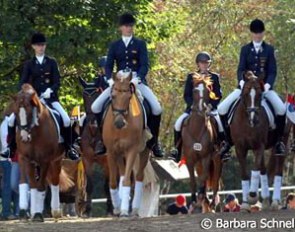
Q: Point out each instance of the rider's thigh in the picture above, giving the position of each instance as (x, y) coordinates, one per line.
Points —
(224, 106)
(151, 98)
(179, 121)
(65, 117)
(97, 105)
(276, 102)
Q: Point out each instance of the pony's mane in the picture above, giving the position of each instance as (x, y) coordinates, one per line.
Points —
(197, 78)
(27, 88)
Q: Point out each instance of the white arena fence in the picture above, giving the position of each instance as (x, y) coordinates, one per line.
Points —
(173, 195)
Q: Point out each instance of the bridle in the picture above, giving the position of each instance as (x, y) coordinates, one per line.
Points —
(122, 112)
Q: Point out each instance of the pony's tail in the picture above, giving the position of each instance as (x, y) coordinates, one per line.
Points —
(65, 181)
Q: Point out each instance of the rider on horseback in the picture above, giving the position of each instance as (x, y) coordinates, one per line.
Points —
(258, 57)
(130, 52)
(43, 74)
(203, 61)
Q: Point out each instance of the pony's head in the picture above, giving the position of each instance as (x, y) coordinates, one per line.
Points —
(252, 96)
(90, 93)
(122, 91)
(202, 92)
(26, 108)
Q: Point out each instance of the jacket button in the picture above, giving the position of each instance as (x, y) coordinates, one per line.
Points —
(127, 63)
(255, 64)
(126, 51)
(256, 57)
(254, 71)
(126, 57)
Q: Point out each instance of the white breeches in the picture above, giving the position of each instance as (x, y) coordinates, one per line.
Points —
(224, 106)
(145, 91)
(4, 133)
(276, 102)
(65, 117)
(179, 121)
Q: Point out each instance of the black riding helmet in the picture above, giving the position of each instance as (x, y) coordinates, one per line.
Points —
(203, 57)
(38, 38)
(102, 61)
(257, 26)
(127, 19)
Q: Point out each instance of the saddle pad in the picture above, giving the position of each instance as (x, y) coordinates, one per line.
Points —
(232, 110)
(268, 110)
(57, 121)
(270, 113)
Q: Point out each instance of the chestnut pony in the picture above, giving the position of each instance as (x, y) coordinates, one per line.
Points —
(200, 145)
(40, 154)
(125, 139)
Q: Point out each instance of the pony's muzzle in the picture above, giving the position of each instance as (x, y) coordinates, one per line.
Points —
(25, 136)
(120, 122)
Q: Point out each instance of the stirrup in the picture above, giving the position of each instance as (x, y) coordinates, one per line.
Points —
(157, 150)
(280, 148)
(73, 154)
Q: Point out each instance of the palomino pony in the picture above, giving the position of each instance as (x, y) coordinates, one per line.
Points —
(250, 131)
(125, 139)
(40, 154)
(200, 144)
(88, 141)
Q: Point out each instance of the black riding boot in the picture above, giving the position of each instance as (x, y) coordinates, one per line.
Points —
(176, 152)
(10, 150)
(99, 146)
(227, 143)
(71, 152)
(154, 125)
(280, 147)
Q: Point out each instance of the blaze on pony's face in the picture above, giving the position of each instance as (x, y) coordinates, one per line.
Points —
(201, 93)
(121, 95)
(252, 96)
(25, 102)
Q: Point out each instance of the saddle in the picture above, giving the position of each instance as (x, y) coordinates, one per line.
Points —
(269, 110)
(55, 115)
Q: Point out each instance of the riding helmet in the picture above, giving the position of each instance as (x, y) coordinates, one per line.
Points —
(257, 26)
(203, 57)
(126, 19)
(38, 38)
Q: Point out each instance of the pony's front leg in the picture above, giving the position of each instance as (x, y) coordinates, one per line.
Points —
(277, 183)
(23, 191)
(202, 179)
(264, 186)
(38, 191)
(114, 191)
(54, 174)
(242, 155)
(255, 175)
(126, 188)
(138, 190)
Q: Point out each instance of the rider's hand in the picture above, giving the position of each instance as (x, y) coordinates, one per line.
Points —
(136, 81)
(241, 84)
(266, 87)
(47, 93)
(110, 82)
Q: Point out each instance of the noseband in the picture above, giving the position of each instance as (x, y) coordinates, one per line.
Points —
(122, 112)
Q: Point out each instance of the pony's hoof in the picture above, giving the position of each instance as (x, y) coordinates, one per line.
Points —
(38, 217)
(252, 198)
(124, 214)
(23, 215)
(116, 212)
(135, 213)
(245, 207)
(56, 214)
(265, 203)
(275, 205)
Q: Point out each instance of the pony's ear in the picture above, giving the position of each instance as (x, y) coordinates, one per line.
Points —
(248, 75)
(83, 82)
(129, 78)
